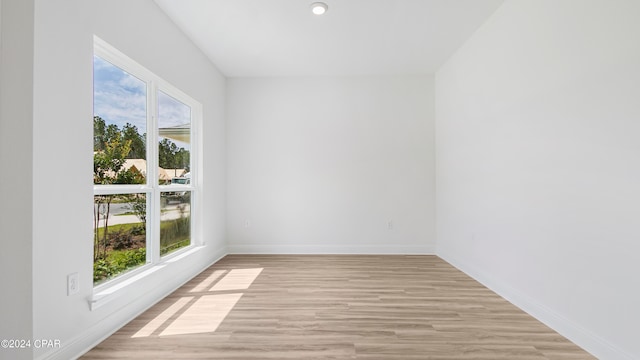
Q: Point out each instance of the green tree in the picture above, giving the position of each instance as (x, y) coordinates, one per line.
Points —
(182, 160)
(171, 156)
(112, 133)
(108, 168)
(166, 154)
(103, 134)
(138, 143)
(139, 208)
(99, 133)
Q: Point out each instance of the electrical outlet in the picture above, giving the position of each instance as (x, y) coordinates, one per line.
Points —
(73, 284)
(390, 225)
(246, 224)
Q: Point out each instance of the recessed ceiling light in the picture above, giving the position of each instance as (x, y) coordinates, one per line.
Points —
(319, 8)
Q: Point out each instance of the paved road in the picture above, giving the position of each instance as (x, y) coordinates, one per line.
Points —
(114, 219)
(117, 209)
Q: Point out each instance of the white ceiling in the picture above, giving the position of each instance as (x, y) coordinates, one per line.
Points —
(246, 38)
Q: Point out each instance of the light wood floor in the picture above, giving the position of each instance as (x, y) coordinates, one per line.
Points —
(334, 307)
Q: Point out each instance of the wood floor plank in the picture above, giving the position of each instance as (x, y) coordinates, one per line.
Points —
(334, 307)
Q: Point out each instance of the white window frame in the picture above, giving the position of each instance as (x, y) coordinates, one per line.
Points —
(152, 189)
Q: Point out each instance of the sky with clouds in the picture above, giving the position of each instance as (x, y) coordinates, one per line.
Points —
(120, 98)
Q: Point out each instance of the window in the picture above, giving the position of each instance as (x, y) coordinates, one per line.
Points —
(144, 166)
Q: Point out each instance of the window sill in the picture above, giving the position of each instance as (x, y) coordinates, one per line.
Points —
(104, 295)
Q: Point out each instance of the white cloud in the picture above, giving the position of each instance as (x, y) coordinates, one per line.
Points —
(121, 98)
(172, 112)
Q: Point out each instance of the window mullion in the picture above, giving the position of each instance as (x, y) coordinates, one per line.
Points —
(153, 247)
(196, 165)
(119, 189)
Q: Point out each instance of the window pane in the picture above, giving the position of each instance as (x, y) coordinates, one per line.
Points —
(119, 234)
(174, 148)
(175, 221)
(119, 125)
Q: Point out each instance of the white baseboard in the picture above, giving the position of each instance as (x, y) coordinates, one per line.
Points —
(582, 337)
(80, 344)
(330, 249)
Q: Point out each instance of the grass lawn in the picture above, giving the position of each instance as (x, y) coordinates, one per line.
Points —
(175, 234)
(119, 227)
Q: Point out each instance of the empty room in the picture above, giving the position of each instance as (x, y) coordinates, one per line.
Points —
(336, 179)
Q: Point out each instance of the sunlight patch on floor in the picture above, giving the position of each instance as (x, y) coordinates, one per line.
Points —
(154, 324)
(208, 281)
(204, 312)
(205, 315)
(237, 279)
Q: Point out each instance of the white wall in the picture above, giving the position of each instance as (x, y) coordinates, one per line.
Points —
(321, 165)
(538, 183)
(16, 104)
(62, 156)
